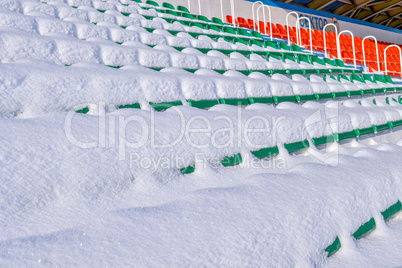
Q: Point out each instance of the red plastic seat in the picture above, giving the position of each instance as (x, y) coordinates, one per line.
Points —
(252, 24)
(241, 22)
(229, 19)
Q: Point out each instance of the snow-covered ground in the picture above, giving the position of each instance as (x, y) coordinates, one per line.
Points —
(105, 188)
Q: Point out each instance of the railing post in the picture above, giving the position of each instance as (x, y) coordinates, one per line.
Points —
(323, 32)
(385, 57)
(298, 32)
(376, 48)
(189, 5)
(252, 8)
(287, 24)
(353, 45)
(199, 6)
(265, 21)
(232, 11)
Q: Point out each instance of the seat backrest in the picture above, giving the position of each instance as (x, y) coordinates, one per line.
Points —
(378, 78)
(255, 42)
(213, 27)
(302, 58)
(367, 77)
(183, 9)
(283, 46)
(153, 3)
(217, 20)
(187, 15)
(314, 58)
(340, 63)
(329, 61)
(272, 44)
(272, 56)
(202, 18)
(229, 19)
(295, 47)
(238, 40)
(355, 77)
(256, 34)
(167, 5)
(243, 32)
(196, 24)
(342, 76)
(288, 57)
(241, 20)
(388, 79)
(228, 30)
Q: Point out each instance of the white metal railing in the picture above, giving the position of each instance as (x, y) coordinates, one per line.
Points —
(252, 9)
(299, 35)
(376, 49)
(385, 57)
(323, 33)
(265, 19)
(353, 45)
(232, 11)
(199, 6)
(287, 24)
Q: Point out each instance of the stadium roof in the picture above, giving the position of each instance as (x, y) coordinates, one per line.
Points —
(386, 12)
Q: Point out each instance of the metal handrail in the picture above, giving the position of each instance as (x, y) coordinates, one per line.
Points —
(232, 10)
(252, 8)
(323, 32)
(353, 45)
(287, 24)
(298, 32)
(385, 57)
(376, 48)
(265, 21)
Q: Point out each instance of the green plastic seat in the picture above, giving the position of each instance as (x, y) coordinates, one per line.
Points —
(84, 110)
(187, 170)
(388, 79)
(130, 106)
(273, 56)
(329, 61)
(296, 48)
(213, 27)
(266, 100)
(266, 152)
(256, 34)
(232, 160)
(183, 9)
(392, 210)
(344, 136)
(138, 1)
(365, 229)
(297, 146)
(197, 24)
(314, 58)
(323, 140)
(234, 102)
(355, 77)
(165, 105)
(229, 30)
(283, 46)
(203, 104)
(168, 5)
(334, 247)
(342, 76)
(272, 44)
(152, 3)
(367, 77)
(217, 21)
(202, 18)
(288, 57)
(239, 40)
(379, 78)
(243, 32)
(187, 15)
(340, 63)
(257, 43)
(171, 12)
(302, 58)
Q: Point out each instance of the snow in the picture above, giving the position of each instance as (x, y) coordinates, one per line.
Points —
(105, 188)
